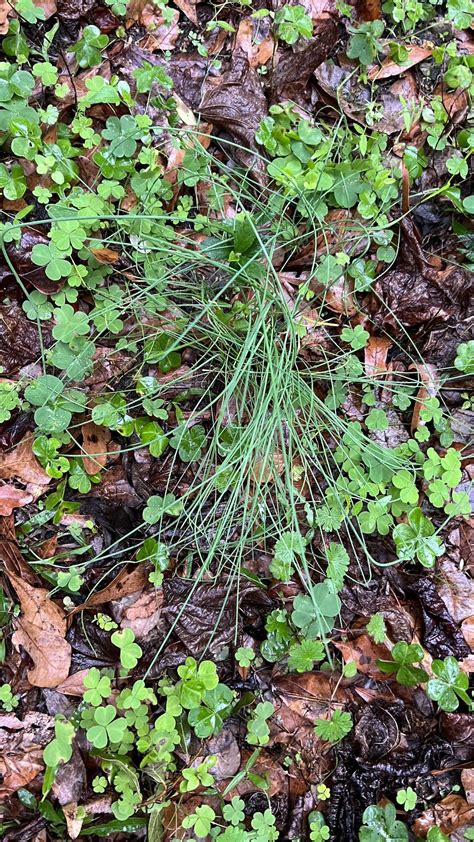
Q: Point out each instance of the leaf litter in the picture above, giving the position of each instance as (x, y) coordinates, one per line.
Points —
(236, 402)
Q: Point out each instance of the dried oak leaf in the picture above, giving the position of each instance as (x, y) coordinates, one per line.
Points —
(41, 630)
(21, 749)
(235, 102)
(12, 498)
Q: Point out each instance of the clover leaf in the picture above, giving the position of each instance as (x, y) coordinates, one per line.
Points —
(189, 441)
(98, 687)
(107, 728)
(417, 539)
(404, 655)
(449, 685)
(130, 652)
(157, 507)
(315, 614)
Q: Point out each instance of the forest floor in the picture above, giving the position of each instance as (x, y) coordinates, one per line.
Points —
(236, 403)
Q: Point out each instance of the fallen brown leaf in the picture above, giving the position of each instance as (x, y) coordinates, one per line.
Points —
(73, 684)
(389, 67)
(467, 628)
(456, 591)
(467, 780)
(41, 630)
(22, 463)
(5, 9)
(142, 615)
(126, 582)
(365, 653)
(257, 49)
(94, 442)
(451, 813)
(10, 553)
(375, 356)
(21, 749)
(188, 7)
(12, 498)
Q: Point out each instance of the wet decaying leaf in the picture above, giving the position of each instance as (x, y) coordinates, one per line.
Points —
(418, 292)
(236, 103)
(211, 615)
(293, 69)
(19, 341)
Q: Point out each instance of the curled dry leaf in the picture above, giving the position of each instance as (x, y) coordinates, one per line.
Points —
(139, 612)
(266, 767)
(12, 498)
(94, 442)
(21, 749)
(41, 630)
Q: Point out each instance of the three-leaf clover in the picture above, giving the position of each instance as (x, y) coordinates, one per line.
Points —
(356, 336)
(107, 728)
(157, 507)
(465, 357)
(404, 655)
(98, 687)
(449, 685)
(189, 441)
(130, 652)
(417, 539)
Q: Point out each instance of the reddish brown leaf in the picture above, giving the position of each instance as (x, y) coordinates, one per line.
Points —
(21, 749)
(41, 630)
(365, 653)
(375, 356)
(94, 442)
(12, 498)
(22, 463)
(389, 67)
(258, 49)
